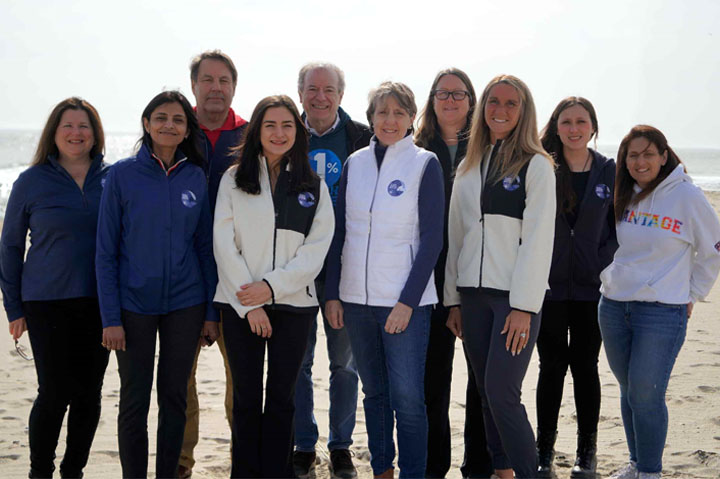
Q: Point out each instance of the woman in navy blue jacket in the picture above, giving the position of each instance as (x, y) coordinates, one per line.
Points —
(52, 292)
(584, 245)
(156, 276)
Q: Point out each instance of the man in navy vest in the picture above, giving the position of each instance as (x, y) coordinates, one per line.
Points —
(333, 137)
(213, 77)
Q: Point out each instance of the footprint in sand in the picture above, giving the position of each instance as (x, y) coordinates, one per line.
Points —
(8, 458)
(708, 389)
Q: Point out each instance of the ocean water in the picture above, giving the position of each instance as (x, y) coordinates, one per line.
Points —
(17, 148)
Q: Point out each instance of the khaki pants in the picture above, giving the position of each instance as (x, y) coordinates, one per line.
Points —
(192, 414)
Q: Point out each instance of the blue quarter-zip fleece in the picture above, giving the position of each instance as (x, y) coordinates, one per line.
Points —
(62, 219)
(154, 243)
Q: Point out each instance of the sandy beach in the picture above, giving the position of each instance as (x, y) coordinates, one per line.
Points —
(693, 398)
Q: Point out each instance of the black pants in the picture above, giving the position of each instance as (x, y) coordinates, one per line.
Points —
(262, 437)
(556, 353)
(66, 337)
(179, 332)
(438, 376)
(499, 376)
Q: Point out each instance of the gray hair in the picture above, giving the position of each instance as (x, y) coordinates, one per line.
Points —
(213, 55)
(308, 67)
(400, 91)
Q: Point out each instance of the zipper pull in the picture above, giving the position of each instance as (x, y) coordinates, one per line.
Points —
(572, 233)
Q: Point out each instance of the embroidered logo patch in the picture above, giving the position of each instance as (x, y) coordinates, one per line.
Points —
(511, 183)
(717, 246)
(602, 191)
(396, 188)
(306, 199)
(188, 198)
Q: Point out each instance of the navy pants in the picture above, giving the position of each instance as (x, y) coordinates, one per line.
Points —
(499, 376)
(179, 333)
(438, 376)
(66, 337)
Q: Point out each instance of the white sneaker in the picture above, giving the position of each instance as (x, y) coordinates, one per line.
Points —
(628, 472)
(649, 475)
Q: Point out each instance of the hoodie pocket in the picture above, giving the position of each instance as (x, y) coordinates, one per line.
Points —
(624, 282)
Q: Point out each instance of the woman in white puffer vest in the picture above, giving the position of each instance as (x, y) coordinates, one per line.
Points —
(389, 232)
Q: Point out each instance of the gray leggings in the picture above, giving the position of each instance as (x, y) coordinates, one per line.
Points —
(499, 376)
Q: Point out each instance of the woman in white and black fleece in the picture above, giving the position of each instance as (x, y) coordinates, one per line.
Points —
(500, 239)
(389, 232)
(273, 226)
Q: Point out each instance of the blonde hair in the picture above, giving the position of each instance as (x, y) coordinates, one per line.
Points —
(520, 145)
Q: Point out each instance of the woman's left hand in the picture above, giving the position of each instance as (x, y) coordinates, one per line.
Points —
(517, 327)
(254, 294)
(211, 332)
(398, 319)
(690, 308)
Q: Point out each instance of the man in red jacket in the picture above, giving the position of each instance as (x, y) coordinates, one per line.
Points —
(213, 77)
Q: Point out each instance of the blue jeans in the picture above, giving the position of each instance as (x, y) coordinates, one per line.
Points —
(343, 388)
(642, 341)
(392, 369)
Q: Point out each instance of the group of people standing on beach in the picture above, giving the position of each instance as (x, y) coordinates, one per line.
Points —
(474, 226)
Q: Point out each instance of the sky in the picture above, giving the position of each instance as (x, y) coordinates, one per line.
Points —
(640, 61)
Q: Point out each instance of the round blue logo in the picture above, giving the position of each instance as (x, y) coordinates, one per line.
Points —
(511, 183)
(396, 188)
(602, 191)
(188, 198)
(326, 164)
(306, 199)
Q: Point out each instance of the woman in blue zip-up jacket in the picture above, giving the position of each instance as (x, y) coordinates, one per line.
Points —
(52, 292)
(585, 242)
(156, 276)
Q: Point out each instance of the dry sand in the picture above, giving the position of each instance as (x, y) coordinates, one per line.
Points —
(693, 399)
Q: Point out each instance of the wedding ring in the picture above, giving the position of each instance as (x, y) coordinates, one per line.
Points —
(398, 330)
(522, 335)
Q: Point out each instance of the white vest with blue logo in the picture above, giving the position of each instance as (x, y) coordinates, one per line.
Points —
(382, 231)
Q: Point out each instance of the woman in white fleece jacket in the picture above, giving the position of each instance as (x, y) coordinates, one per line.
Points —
(500, 239)
(669, 258)
(273, 226)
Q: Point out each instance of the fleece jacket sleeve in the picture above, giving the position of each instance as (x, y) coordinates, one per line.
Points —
(204, 250)
(12, 250)
(304, 267)
(706, 243)
(232, 269)
(107, 251)
(532, 267)
(456, 235)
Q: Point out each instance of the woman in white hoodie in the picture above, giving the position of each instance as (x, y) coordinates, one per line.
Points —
(669, 258)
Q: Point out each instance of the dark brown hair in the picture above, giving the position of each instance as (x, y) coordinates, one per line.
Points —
(624, 182)
(428, 124)
(551, 142)
(247, 176)
(46, 145)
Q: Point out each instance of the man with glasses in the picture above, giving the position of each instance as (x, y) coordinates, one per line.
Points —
(333, 137)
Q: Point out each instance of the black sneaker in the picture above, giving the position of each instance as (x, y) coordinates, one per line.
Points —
(341, 465)
(303, 463)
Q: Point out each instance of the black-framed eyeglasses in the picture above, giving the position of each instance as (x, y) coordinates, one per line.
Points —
(458, 95)
(22, 351)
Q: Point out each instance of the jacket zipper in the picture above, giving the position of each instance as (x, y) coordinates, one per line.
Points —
(272, 197)
(572, 254)
(367, 251)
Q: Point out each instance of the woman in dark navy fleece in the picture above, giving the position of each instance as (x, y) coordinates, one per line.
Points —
(156, 276)
(52, 292)
(584, 244)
